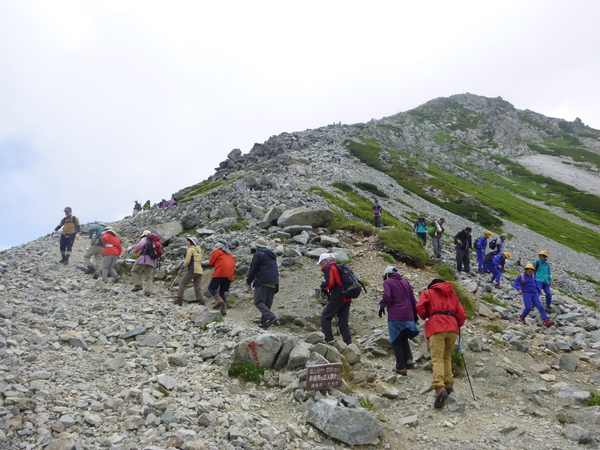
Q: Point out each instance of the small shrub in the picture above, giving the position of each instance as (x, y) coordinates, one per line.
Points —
(497, 341)
(493, 328)
(595, 400)
(215, 320)
(238, 225)
(372, 189)
(405, 247)
(491, 299)
(365, 282)
(465, 299)
(458, 365)
(387, 258)
(246, 371)
(446, 272)
(365, 404)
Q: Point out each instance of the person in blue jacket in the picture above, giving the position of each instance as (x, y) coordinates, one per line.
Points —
(495, 266)
(480, 247)
(530, 289)
(544, 275)
(420, 229)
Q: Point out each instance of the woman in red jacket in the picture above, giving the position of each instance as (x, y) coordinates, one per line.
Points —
(443, 313)
(110, 254)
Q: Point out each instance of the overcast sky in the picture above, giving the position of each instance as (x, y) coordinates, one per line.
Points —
(106, 102)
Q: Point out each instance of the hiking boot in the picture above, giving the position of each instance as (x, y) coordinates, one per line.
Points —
(268, 323)
(440, 396)
(223, 308)
(449, 389)
(90, 270)
(402, 372)
(96, 276)
(497, 285)
(117, 279)
(137, 287)
(548, 308)
(147, 294)
(548, 323)
(410, 364)
(522, 319)
(219, 304)
(202, 302)
(178, 301)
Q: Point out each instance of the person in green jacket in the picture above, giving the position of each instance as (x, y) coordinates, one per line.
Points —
(543, 275)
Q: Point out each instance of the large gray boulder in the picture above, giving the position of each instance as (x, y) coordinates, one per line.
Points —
(270, 218)
(352, 426)
(167, 230)
(315, 216)
(261, 350)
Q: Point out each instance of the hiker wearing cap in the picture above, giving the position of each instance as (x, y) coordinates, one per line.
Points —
(435, 233)
(95, 250)
(144, 265)
(377, 214)
(263, 275)
(70, 226)
(399, 299)
(222, 260)
(147, 206)
(136, 208)
(444, 315)
(112, 251)
(337, 305)
(543, 274)
(420, 229)
(496, 266)
(193, 272)
(480, 247)
(527, 285)
(463, 243)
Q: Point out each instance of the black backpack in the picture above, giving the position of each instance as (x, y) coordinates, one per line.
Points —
(488, 257)
(493, 243)
(351, 285)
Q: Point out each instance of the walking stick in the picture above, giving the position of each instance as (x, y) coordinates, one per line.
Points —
(465, 364)
(174, 279)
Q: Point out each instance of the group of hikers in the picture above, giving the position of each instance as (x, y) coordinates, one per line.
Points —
(137, 206)
(438, 305)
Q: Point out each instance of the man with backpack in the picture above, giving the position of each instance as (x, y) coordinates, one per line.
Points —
(496, 266)
(337, 305)
(435, 233)
(377, 214)
(463, 244)
(136, 208)
(95, 250)
(70, 226)
(263, 275)
(224, 263)
(480, 247)
(498, 244)
(145, 264)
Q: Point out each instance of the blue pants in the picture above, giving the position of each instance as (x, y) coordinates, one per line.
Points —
(480, 263)
(546, 289)
(528, 299)
(495, 272)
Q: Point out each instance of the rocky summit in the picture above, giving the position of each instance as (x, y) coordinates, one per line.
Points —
(86, 364)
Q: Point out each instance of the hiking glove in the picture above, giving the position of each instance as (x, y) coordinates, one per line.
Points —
(381, 312)
(129, 249)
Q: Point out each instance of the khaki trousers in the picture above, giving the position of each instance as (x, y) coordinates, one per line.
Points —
(140, 271)
(441, 346)
(96, 252)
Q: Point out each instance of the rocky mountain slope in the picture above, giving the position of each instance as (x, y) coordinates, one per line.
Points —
(85, 364)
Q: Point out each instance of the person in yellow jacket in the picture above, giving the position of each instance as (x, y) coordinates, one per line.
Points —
(193, 272)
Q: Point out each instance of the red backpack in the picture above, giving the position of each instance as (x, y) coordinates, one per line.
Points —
(154, 248)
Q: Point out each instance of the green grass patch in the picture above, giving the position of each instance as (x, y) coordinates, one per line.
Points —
(238, 225)
(215, 320)
(583, 277)
(372, 189)
(493, 328)
(465, 299)
(446, 272)
(387, 258)
(458, 364)
(246, 371)
(497, 341)
(581, 300)
(364, 403)
(491, 299)
(405, 247)
(200, 188)
(594, 400)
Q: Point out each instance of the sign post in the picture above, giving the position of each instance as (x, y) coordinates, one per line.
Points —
(323, 376)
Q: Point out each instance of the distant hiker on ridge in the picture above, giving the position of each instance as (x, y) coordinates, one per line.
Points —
(222, 260)
(264, 276)
(377, 214)
(136, 208)
(193, 272)
(463, 243)
(95, 250)
(420, 229)
(70, 226)
(147, 206)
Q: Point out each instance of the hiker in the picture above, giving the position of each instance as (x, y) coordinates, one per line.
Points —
(530, 288)
(377, 214)
(173, 202)
(401, 304)
(136, 208)
(163, 204)
(193, 272)
(500, 244)
(222, 260)
(435, 233)
(444, 315)
(144, 266)
(264, 276)
(337, 305)
(112, 251)
(95, 250)
(420, 229)
(463, 243)
(480, 247)
(496, 266)
(543, 274)
(147, 206)
(70, 226)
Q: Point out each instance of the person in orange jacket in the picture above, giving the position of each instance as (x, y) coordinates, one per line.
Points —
(224, 263)
(110, 254)
(443, 313)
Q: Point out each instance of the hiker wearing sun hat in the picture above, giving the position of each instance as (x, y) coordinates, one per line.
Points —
(193, 272)
(527, 285)
(144, 266)
(263, 275)
(222, 260)
(112, 251)
(543, 274)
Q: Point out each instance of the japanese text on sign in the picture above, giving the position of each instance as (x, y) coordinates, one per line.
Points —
(323, 376)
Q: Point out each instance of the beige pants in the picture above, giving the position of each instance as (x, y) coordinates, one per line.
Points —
(441, 346)
(140, 271)
(96, 252)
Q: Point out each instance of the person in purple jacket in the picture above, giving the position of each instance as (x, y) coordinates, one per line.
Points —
(144, 266)
(530, 289)
(400, 301)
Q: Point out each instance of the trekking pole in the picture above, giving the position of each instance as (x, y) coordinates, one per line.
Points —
(465, 364)
(174, 279)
